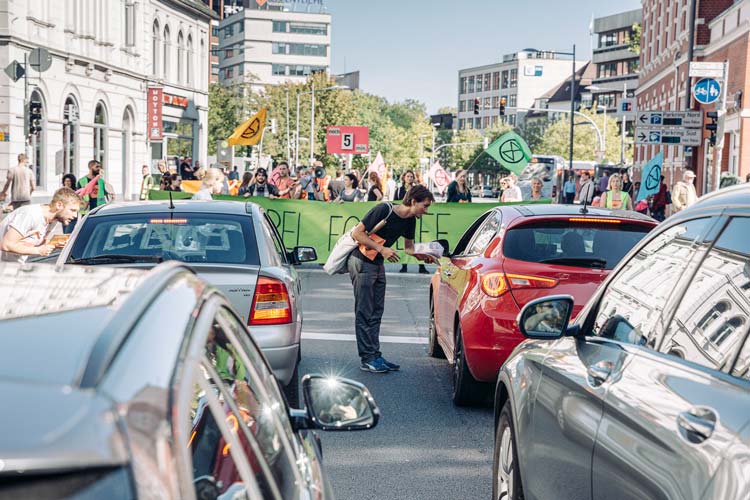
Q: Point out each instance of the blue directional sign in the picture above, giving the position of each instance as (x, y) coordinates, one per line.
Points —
(707, 90)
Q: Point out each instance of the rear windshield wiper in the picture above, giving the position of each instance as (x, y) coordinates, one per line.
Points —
(116, 259)
(587, 261)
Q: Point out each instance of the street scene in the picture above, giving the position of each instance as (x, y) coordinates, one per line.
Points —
(317, 249)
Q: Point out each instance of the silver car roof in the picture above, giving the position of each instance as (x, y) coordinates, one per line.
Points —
(180, 206)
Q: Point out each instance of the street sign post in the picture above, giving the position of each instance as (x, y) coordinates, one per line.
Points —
(707, 91)
(650, 119)
(40, 59)
(706, 69)
(15, 71)
(674, 136)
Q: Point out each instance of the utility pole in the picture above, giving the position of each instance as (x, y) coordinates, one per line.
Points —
(312, 125)
(624, 124)
(572, 116)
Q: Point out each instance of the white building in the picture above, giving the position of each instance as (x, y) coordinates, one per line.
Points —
(273, 44)
(105, 56)
(519, 78)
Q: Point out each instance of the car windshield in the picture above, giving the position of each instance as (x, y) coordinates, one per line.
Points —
(576, 244)
(153, 237)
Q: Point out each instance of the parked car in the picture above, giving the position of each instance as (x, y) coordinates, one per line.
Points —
(488, 192)
(508, 257)
(232, 245)
(646, 394)
(121, 383)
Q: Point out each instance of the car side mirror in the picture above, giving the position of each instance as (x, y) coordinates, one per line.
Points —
(337, 404)
(446, 247)
(304, 254)
(546, 318)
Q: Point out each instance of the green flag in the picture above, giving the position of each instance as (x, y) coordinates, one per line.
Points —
(511, 151)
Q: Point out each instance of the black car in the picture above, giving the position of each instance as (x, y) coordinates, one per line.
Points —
(121, 383)
(646, 394)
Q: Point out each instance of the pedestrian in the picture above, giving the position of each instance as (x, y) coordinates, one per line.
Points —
(176, 184)
(603, 184)
(284, 182)
(659, 202)
(69, 181)
(747, 178)
(350, 192)
(458, 191)
(390, 186)
(569, 189)
(21, 181)
(308, 188)
(367, 271)
(147, 183)
(587, 191)
(247, 180)
(26, 231)
(186, 170)
(407, 182)
(375, 191)
(211, 184)
(615, 198)
(627, 185)
(511, 192)
(261, 186)
(165, 183)
(91, 187)
(234, 175)
(683, 194)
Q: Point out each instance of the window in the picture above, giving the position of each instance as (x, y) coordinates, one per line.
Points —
(607, 70)
(487, 103)
(180, 57)
(471, 84)
(608, 39)
(512, 100)
(155, 39)
(165, 53)
(512, 120)
(229, 72)
(477, 123)
(189, 62)
(279, 48)
(280, 26)
(461, 105)
(278, 69)
(487, 79)
(307, 49)
(496, 80)
(495, 102)
(100, 134)
(129, 23)
(484, 235)
(505, 81)
(513, 78)
(215, 31)
(70, 136)
(631, 307)
(308, 28)
(486, 122)
(711, 320)
(462, 85)
(461, 123)
(272, 233)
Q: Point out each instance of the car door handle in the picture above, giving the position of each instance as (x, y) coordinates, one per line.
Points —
(697, 424)
(600, 372)
(447, 273)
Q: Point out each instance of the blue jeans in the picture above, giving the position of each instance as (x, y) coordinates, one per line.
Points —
(368, 280)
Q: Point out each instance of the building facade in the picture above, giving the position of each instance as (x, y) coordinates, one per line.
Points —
(519, 79)
(105, 54)
(272, 44)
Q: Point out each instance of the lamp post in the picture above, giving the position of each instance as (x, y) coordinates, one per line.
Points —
(312, 120)
(604, 150)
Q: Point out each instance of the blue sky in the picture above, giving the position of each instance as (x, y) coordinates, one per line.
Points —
(414, 48)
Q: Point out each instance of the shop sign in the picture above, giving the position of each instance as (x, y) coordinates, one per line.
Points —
(155, 101)
(175, 100)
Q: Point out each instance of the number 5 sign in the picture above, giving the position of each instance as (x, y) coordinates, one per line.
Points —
(348, 140)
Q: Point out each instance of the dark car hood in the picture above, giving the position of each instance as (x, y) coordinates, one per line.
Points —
(47, 428)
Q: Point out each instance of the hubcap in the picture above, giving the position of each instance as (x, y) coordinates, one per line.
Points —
(504, 486)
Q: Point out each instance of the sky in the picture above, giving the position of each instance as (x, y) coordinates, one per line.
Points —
(413, 49)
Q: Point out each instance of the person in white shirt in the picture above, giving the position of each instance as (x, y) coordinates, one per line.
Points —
(390, 187)
(511, 192)
(587, 190)
(683, 194)
(21, 181)
(211, 184)
(26, 230)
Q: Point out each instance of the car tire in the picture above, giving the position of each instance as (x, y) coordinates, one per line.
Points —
(506, 474)
(433, 346)
(467, 391)
(291, 390)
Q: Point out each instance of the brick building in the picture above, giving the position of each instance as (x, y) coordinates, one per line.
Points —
(663, 83)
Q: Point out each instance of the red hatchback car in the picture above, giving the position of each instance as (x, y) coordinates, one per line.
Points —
(508, 257)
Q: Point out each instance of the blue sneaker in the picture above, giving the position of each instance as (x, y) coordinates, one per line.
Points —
(391, 366)
(375, 366)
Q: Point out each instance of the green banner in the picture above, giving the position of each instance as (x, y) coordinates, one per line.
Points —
(320, 225)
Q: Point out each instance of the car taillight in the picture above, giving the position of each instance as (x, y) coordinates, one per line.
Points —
(496, 284)
(271, 304)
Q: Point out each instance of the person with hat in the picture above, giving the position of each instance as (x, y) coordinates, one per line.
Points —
(261, 186)
(683, 194)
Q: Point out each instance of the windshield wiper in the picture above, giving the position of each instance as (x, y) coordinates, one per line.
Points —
(116, 259)
(590, 261)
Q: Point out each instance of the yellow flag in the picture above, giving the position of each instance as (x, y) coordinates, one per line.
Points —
(250, 132)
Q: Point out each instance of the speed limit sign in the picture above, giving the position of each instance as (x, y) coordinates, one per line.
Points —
(347, 141)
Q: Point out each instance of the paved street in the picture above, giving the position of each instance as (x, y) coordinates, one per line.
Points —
(423, 447)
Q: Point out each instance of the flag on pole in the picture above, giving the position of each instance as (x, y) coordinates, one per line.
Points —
(250, 132)
(377, 166)
(510, 151)
(650, 178)
(439, 177)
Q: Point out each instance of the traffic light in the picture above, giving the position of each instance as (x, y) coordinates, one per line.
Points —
(502, 107)
(35, 117)
(712, 127)
(476, 106)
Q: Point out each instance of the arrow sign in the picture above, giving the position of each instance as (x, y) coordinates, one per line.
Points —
(655, 119)
(15, 71)
(684, 136)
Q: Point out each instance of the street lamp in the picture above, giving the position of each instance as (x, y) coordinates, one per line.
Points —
(598, 106)
(312, 121)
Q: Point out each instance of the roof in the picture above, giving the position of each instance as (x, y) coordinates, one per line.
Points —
(584, 76)
(196, 6)
(181, 206)
(552, 210)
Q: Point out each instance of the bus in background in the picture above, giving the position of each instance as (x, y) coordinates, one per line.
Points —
(547, 168)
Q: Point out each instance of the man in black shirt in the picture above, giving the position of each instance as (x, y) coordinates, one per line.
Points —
(367, 271)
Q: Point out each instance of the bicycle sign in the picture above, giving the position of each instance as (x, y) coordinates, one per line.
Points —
(707, 90)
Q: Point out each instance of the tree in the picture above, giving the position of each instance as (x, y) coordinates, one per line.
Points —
(634, 42)
(533, 132)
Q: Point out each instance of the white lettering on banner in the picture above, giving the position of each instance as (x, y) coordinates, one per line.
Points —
(155, 99)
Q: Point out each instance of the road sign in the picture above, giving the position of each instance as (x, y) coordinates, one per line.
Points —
(348, 140)
(40, 59)
(707, 69)
(684, 136)
(15, 71)
(653, 119)
(707, 91)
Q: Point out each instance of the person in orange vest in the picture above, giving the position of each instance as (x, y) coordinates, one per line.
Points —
(321, 182)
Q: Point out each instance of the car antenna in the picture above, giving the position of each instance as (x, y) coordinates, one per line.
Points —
(583, 210)
(171, 202)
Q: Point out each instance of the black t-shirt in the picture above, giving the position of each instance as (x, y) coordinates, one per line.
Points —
(395, 228)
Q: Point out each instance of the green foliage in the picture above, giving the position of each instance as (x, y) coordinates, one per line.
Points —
(635, 39)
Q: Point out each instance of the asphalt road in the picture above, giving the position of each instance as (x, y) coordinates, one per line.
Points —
(424, 447)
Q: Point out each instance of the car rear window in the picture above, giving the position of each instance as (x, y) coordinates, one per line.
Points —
(577, 244)
(187, 237)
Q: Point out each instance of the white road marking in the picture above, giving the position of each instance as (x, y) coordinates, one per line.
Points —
(385, 339)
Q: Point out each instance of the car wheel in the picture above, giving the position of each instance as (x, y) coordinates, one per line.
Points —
(466, 389)
(506, 476)
(291, 390)
(433, 347)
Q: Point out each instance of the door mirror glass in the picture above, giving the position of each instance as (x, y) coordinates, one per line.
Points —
(305, 254)
(546, 318)
(335, 404)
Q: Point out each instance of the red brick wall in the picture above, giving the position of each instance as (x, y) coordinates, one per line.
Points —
(708, 10)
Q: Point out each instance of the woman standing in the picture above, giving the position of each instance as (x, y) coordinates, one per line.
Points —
(616, 198)
(69, 181)
(511, 192)
(627, 186)
(350, 192)
(458, 191)
(211, 184)
(247, 180)
(367, 271)
(536, 189)
(375, 193)
(407, 182)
